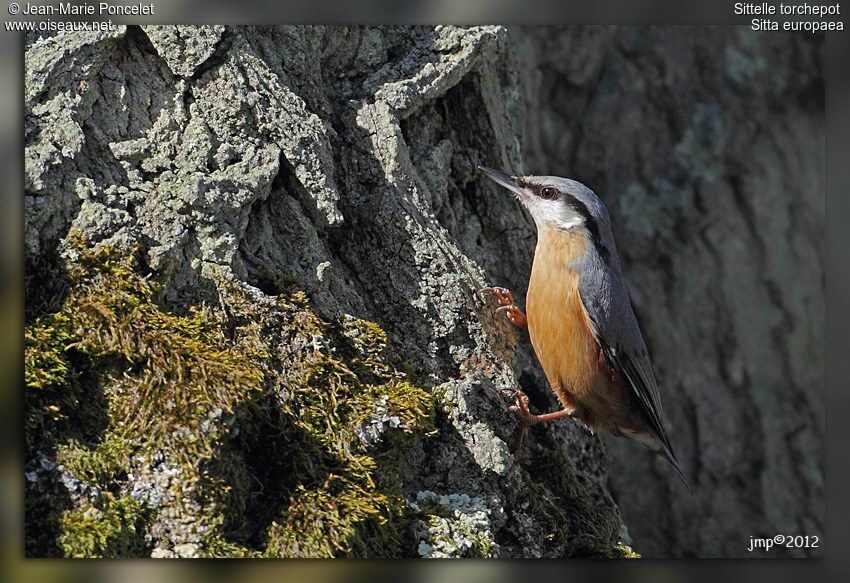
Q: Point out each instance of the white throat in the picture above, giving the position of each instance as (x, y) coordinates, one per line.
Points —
(554, 215)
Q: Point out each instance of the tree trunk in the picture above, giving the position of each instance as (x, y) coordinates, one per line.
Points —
(707, 145)
(342, 162)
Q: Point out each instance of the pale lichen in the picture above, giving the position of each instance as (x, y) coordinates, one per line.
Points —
(454, 525)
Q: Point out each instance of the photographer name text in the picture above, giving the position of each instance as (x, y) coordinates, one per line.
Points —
(99, 9)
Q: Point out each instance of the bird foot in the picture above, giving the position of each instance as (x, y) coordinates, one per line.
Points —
(507, 305)
(527, 418)
(522, 412)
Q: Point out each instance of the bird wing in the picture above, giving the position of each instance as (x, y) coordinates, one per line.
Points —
(606, 301)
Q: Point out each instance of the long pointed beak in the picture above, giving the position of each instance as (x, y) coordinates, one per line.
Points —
(502, 179)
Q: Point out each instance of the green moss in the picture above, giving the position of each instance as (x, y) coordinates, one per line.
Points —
(625, 552)
(322, 521)
(45, 361)
(261, 404)
(97, 466)
(115, 527)
(160, 371)
(215, 546)
(336, 391)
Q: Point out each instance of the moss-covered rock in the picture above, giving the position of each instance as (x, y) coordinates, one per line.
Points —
(113, 528)
(272, 418)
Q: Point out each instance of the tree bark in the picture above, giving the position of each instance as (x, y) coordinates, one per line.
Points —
(342, 161)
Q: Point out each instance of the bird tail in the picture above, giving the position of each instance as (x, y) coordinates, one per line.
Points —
(667, 451)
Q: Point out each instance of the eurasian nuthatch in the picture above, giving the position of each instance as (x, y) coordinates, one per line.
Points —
(579, 316)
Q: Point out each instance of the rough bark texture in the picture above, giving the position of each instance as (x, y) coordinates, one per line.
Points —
(341, 162)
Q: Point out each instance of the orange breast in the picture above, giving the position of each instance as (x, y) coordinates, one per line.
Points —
(561, 333)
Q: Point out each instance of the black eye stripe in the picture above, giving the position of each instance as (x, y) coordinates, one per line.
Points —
(577, 206)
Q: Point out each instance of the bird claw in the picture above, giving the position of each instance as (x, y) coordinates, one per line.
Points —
(527, 419)
(522, 411)
(514, 315)
(507, 305)
(524, 416)
(497, 292)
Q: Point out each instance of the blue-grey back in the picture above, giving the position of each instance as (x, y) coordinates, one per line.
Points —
(605, 296)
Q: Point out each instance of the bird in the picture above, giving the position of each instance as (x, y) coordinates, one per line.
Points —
(580, 319)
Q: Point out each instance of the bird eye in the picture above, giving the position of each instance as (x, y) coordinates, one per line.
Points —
(549, 193)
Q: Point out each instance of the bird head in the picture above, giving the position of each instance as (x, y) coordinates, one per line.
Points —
(554, 202)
